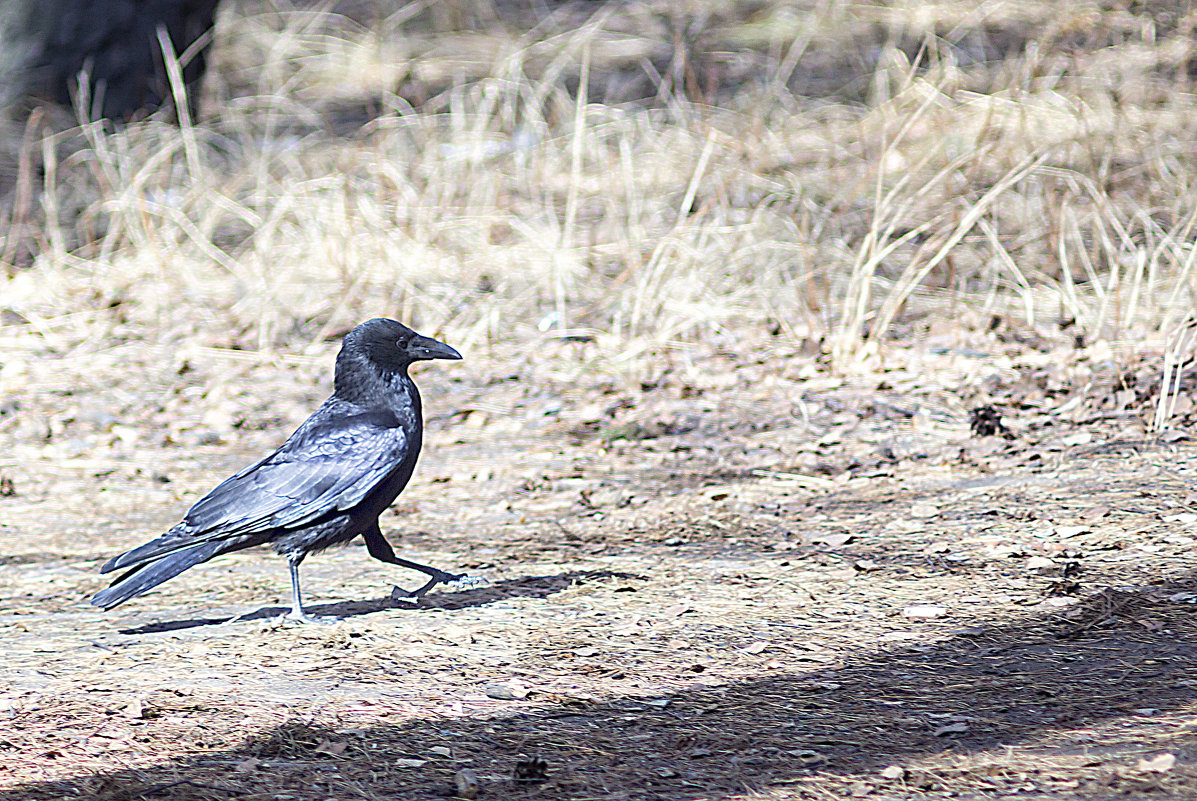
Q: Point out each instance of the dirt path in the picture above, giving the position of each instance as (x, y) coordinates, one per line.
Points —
(776, 584)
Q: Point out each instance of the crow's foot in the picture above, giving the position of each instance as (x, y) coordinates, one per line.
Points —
(458, 581)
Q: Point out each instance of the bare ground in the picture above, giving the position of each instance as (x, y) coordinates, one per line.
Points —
(725, 577)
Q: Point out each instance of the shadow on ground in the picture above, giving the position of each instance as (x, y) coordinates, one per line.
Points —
(1129, 657)
(529, 587)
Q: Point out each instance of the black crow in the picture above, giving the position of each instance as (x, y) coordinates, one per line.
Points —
(328, 483)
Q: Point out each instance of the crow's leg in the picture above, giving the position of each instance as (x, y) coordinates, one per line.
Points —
(296, 604)
(381, 550)
(297, 614)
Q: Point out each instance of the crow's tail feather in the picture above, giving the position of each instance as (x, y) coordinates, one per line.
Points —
(173, 541)
(148, 576)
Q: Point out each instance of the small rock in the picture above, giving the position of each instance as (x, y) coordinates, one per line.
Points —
(1161, 764)
(809, 757)
(94, 416)
(505, 691)
(466, 782)
(924, 612)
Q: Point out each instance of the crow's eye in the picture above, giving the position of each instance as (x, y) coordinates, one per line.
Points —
(401, 344)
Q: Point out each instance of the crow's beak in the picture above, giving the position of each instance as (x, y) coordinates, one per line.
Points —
(420, 347)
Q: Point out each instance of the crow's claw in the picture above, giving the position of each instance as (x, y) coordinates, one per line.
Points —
(464, 582)
(458, 581)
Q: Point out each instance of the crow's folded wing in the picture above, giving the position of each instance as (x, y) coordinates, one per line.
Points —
(328, 465)
(310, 476)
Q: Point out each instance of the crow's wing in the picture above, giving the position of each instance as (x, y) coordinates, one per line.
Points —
(330, 466)
(331, 463)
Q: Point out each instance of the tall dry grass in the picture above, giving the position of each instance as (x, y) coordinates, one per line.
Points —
(656, 172)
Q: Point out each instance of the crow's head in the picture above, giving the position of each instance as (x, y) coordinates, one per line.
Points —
(391, 346)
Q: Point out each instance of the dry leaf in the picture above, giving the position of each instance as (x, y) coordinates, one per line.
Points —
(410, 763)
(922, 510)
(327, 746)
(135, 709)
(755, 648)
(530, 770)
(893, 772)
(441, 750)
(1043, 530)
(678, 610)
(1161, 764)
(952, 728)
(866, 565)
(833, 540)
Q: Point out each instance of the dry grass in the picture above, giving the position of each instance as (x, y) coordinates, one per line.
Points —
(944, 162)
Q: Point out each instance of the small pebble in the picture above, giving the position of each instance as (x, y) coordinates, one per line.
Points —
(466, 781)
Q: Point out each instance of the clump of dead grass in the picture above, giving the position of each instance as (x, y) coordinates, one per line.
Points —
(832, 172)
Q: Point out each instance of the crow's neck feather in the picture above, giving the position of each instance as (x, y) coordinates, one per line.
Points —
(360, 381)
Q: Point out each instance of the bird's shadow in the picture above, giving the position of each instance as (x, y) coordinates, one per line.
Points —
(530, 587)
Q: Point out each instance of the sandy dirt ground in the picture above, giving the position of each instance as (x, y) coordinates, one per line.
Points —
(742, 577)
